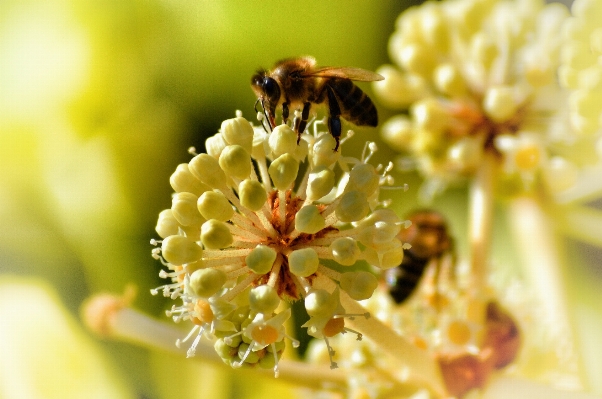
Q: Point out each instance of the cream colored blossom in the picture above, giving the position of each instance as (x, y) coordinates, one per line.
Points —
(479, 77)
(248, 230)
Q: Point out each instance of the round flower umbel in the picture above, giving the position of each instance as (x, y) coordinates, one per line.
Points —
(251, 223)
(479, 78)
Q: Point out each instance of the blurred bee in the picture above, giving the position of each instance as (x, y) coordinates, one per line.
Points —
(297, 83)
(430, 242)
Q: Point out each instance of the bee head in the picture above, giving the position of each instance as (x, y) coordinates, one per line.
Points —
(266, 87)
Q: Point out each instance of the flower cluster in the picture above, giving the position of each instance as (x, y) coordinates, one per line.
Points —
(479, 77)
(251, 223)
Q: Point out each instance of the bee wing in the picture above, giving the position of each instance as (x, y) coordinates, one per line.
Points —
(351, 73)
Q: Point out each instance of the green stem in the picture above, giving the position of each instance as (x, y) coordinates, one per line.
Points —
(540, 259)
(480, 220)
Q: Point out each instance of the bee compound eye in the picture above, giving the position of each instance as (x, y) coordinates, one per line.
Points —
(271, 89)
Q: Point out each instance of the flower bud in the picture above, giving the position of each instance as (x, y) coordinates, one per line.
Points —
(320, 183)
(320, 303)
(238, 131)
(167, 225)
(363, 177)
(183, 181)
(345, 251)
(252, 194)
(215, 205)
(352, 207)
(449, 81)
(264, 299)
(283, 140)
(309, 220)
(206, 168)
(303, 262)
(215, 234)
(183, 207)
(261, 259)
(384, 256)
(323, 153)
(206, 282)
(215, 145)
(499, 103)
(235, 161)
(283, 171)
(359, 285)
(178, 250)
(398, 133)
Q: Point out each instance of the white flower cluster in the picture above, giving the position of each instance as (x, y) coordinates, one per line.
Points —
(251, 223)
(481, 77)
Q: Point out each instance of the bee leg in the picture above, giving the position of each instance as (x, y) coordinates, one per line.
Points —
(300, 124)
(334, 122)
(284, 112)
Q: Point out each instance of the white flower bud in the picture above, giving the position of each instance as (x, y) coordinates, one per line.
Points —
(449, 81)
(303, 262)
(215, 205)
(560, 174)
(323, 153)
(363, 177)
(429, 115)
(215, 144)
(264, 299)
(359, 285)
(320, 303)
(206, 282)
(167, 225)
(417, 59)
(283, 171)
(384, 256)
(398, 133)
(309, 220)
(465, 154)
(238, 131)
(215, 234)
(252, 194)
(398, 90)
(282, 140)
(183, 181)
(235, 161)
(499, 103)
(178, 250)
(206, 168)
(320, 183)
(261, 259)
(352, 207)
(345, 251)
(183, 207)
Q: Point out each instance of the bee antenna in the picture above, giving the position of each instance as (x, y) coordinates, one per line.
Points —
(265, 116)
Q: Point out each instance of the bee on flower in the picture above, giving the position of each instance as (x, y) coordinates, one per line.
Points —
(247, 230)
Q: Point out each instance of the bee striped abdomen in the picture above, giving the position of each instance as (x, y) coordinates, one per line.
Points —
(402, 280)
(356, 106)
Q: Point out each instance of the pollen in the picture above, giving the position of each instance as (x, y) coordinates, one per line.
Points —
(527, 158)
(264, 335)
(334, 326)
(203, 311)
(458, 332)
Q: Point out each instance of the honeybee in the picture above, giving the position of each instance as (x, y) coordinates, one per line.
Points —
(297, 83)
(430, 241)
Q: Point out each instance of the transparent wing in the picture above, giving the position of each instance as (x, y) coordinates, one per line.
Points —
(351, 73)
